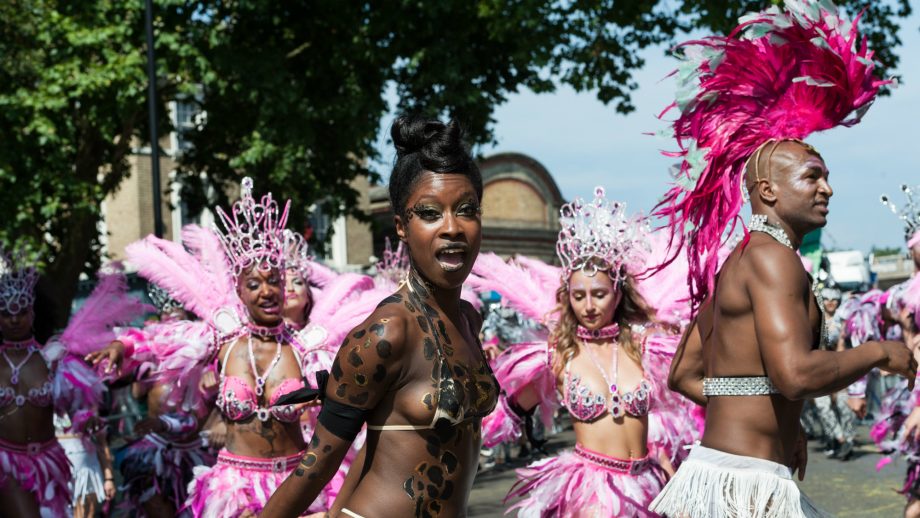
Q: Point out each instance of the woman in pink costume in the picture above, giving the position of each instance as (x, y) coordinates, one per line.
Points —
(605, 356)
(37, 382)
(235, 280)
(897, 428)
(158, 465)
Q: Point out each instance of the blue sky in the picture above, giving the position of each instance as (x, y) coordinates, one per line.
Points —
(584, 143)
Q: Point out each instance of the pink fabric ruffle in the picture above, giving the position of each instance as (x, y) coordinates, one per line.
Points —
(41, 469)
(516, 368)
(569, 485)
(228, 490)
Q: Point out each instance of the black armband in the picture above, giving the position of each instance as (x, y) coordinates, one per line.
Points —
(345, 421)
(518, 411)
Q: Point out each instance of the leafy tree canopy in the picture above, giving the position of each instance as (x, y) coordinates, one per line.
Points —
(293, 92)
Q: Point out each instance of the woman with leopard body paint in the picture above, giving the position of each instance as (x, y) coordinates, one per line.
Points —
(414, 370)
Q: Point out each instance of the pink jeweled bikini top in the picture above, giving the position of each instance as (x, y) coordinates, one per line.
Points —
(586, 406)
(238, 401)
(39, 396)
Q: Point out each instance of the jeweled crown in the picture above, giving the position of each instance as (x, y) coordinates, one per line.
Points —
(253, 232)
(17, 283)
(909, 213)
(600, 236)
(394, 264)
(161, 299)
(297, 253)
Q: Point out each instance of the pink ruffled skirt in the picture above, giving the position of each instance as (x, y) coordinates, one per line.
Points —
(583, 483)
(41, 469)
(237, 484)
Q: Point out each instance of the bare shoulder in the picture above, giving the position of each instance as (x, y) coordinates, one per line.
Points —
(774, 267)
(370, 359)
(387, 323)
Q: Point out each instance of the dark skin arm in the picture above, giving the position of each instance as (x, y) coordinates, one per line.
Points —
(784, 331)
(686, 375)
(366, 366)
(351, 482)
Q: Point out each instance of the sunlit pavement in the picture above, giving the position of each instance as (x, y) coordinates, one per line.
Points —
(846, 489)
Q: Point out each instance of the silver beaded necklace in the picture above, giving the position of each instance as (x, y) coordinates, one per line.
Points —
(759, 223)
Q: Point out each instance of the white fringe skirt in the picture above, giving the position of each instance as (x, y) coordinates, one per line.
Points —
(714, 484)
(87, 473)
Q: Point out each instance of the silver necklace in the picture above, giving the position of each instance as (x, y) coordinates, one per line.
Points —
(260, 379)
(616, 402)
(15, 368)
(759, 223)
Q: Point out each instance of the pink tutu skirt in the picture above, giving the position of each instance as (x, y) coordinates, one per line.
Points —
(41, 469)
(585, 483)
(237, 484)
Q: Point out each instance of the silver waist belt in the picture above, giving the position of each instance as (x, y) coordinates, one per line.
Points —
(740, 386)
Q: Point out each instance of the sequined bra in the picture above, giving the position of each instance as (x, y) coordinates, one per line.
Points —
(42, 396)
(238, 401)
(586, 406)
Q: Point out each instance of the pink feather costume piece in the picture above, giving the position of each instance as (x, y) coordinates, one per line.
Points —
(570, 485)
(781, 74)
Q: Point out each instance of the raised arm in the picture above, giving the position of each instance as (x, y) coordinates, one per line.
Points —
(780, 295)
(366, 366)
(686, 374)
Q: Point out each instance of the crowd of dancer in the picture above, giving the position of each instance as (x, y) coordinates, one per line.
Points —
(683, 356)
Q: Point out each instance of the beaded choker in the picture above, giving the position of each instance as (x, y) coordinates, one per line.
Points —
(611, 331)
(759, 224)
(266, 332)
(24, 344)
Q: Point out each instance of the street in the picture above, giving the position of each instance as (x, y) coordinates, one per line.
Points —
(846, 489)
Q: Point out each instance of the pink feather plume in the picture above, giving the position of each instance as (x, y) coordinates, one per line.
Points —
(519, 288)
(780, 74)
(170, 266)
(108, 306)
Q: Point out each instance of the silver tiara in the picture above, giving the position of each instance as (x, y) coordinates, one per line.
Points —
(17, 283)
(600, 236)
(162, 299)
(909, 213)
(252, 233)
(297, 253)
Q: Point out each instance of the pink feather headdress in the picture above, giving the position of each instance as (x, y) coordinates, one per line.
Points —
(600, 236)
(17, 283)
(253, 232)
(782, 74)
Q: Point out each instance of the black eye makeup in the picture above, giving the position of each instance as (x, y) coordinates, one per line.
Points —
(425, 212)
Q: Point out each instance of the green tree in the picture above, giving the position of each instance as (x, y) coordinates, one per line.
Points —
(293, 92)
(72, 105)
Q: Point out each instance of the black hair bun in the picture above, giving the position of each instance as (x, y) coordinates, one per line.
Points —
(431, 137)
